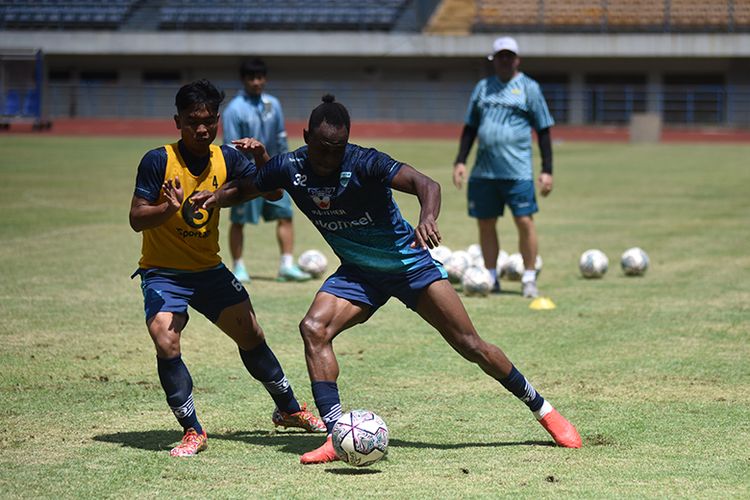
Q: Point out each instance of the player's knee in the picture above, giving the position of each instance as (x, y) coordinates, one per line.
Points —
(471, 347)
(313, 331)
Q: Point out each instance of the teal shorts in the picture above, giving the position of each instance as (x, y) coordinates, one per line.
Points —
(488, 197)
(250, 212)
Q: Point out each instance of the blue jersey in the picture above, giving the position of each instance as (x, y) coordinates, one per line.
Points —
(259, 117)
(504, 114)
(353, 209)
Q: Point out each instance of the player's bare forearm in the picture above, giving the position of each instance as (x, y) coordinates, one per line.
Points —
(144, 215)
(427, 192)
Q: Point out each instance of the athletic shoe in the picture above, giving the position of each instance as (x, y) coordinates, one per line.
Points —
(191, 444)
(241, 273)
(292, 273)
(561, 430)
(529, 290)
(496, 287)
(321, 455)
(303, 419)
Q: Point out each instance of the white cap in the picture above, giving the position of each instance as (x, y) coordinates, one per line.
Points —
(503, 43)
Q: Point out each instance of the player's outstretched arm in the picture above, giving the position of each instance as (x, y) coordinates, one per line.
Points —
(254, 147)
(146, 215)
(232, 193)
(427, 191)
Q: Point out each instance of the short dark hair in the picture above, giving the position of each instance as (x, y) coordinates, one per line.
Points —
(333, 113)
(253, 66)
(197, 93)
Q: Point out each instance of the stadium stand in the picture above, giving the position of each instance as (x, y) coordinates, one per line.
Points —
(580, 15)
(507, 15)
(699, 15)
(452, 17)
(613, 16)
(64, 14)
(635, 15)
(292, 15)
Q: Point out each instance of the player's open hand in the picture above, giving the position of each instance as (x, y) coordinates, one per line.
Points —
(251, 145)
(173, 193)
(203, 200)
(427, 234)
(459, 174)
(545, 183)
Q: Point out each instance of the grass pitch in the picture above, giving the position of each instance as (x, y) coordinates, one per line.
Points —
(653, 371)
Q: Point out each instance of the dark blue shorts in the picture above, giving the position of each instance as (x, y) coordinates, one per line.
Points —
(208, 292)
(374, 288)
(251, 211)
(488, 197)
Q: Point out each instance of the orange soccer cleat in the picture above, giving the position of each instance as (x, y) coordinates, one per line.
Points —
(303, 419)
(321, 455)
(191, 444)
(561, 430)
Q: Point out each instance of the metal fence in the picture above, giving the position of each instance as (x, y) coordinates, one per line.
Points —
(721, 105)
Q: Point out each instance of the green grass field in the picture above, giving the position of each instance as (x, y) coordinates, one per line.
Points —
(654, 371)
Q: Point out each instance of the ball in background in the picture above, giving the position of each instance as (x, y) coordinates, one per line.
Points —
(477, 281)
(456, 265)
(634, 262)
(360, 438)
(593, 263)
(440, 253)
(502, 259)
(475, 252)
(513, 269)
(313, 262)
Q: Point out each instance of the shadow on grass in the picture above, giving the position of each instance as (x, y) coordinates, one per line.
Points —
(291, 442)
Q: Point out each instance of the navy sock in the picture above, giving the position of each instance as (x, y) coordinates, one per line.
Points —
(178, 386)
(264, 367)
(516, 383)
(327, 400)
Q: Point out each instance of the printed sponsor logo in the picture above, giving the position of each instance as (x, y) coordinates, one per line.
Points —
(189, 233)
(321, 196)
(337, 225)
(194, 218)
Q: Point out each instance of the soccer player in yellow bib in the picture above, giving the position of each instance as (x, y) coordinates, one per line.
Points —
(180, 264)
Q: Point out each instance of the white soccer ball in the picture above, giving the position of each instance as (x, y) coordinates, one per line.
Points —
(593, 263)
(456, 265)
(514, 268)
(440, 253)
(313, 262)
(634, 262)
(477, 281)
(360, 438)
(475, 252)
(502, 259)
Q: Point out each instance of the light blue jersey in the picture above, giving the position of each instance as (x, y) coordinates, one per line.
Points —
(504, 114)
(258, 117)
(353, 209)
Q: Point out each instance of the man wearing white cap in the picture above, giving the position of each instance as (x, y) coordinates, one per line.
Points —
(502, 111)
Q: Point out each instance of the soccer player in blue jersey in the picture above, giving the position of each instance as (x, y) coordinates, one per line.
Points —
(254, 113)
(180, 264)
(501, 113)
(346, 191)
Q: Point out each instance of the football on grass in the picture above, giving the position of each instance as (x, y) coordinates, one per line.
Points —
(593, 263)
(360, 438)
(634, 262)
(313, 262)
(477, 281)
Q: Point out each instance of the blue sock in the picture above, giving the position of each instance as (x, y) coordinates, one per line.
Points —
(178, 386)
(327, 400)
(264, 367)
(516, 383)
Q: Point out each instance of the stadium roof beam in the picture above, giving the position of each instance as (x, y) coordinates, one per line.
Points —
(343, 44)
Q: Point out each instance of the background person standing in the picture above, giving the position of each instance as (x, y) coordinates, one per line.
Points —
(502, 111)
(253, 113)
